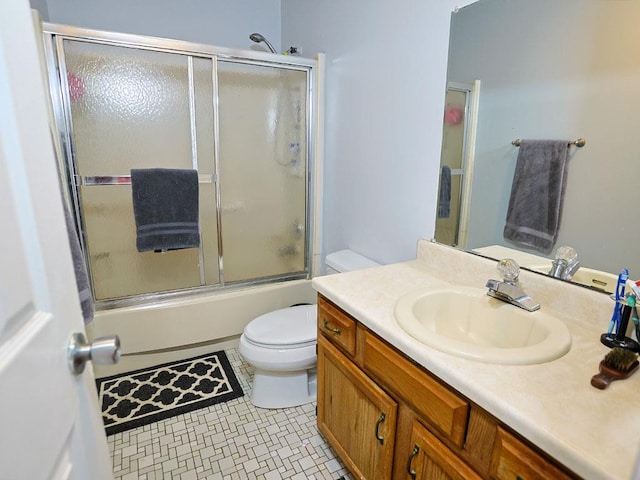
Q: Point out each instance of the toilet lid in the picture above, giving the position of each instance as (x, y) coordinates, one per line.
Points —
(288, 327)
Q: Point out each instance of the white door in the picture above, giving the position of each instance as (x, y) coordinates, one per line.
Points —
(50, 425)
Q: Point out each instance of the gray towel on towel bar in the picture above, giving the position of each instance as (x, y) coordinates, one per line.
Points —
(535, 205)
(444, 196)
(165, 207)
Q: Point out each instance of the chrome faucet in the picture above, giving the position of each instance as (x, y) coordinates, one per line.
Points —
(509, 290)
(565, 264)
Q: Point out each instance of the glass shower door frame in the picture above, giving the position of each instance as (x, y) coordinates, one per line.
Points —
(55, 36)
(308, 67)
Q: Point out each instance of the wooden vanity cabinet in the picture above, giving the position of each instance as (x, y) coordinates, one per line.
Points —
(355, 415)
(388, 417)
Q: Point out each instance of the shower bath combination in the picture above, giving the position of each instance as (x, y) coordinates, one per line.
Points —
(180, 110)
(258, 38)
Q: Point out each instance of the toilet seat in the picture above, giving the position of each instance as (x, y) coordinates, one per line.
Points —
(287, 328)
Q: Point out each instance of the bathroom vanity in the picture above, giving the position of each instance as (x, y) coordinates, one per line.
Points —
(390, 418)
(393, 407)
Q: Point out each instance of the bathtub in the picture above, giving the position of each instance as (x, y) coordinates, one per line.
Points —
(183, 328)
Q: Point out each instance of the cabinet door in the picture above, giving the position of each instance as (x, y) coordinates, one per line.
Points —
(355, 415)
(513, 459)
(430, 459)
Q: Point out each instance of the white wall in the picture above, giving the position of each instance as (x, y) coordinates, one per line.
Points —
(577, 76)
(386, 69)
(216, 22)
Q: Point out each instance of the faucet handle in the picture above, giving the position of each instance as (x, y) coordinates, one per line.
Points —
(509, 270)
(565, 263)
(568, 254)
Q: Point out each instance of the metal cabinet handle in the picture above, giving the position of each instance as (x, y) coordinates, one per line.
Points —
(331, 329)
(103, 350)
(410, 471)
(380, 420)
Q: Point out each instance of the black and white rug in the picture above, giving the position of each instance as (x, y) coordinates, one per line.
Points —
(145, 396)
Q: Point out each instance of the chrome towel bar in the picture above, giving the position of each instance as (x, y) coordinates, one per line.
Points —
(123, 180)
(581, 142)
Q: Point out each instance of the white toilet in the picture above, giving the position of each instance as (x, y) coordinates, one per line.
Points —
(281, 345)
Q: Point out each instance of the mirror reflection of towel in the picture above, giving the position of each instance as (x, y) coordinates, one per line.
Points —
(535, 205)
(444, 197)
(165, 207)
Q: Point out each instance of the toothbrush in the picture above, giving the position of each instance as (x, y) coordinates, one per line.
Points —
(617, 309)
(636, 322)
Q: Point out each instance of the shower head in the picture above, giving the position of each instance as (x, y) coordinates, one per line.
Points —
(256, 37)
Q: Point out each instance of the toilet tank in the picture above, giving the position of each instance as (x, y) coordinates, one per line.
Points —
(347, 261)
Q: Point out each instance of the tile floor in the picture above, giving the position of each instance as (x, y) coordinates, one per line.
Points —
(228, 441)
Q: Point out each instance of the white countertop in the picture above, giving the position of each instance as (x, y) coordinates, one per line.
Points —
(595, 433)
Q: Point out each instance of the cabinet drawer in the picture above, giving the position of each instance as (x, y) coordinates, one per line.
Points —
(437, 404)
(513, 459)
(337, 326)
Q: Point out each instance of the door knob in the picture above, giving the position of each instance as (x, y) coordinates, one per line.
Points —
(103, 351)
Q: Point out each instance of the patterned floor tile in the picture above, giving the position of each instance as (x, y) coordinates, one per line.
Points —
(228, 441)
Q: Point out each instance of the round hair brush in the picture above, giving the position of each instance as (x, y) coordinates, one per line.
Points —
(618, 364)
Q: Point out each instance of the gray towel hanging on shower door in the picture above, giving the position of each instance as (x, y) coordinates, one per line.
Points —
(165, 207)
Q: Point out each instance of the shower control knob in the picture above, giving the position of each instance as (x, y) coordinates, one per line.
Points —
(103, 351)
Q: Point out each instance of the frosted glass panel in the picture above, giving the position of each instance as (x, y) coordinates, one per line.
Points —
(203, 90)
(132, 108)
(263, 150)
(117, 268)
(203, 104)
(209, 233)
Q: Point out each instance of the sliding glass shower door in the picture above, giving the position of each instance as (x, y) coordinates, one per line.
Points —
(262, 169)
(241, 124)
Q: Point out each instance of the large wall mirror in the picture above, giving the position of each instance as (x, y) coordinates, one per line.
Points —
(556, 70)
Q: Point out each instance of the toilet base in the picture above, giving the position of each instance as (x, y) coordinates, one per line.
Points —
(283, 389)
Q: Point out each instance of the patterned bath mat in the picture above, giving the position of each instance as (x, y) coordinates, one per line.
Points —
(145, 396)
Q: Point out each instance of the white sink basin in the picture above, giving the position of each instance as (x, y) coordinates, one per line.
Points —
(466, 322)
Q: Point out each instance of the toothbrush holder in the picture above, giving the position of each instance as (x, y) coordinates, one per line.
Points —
(626, 342)
(619, 339)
